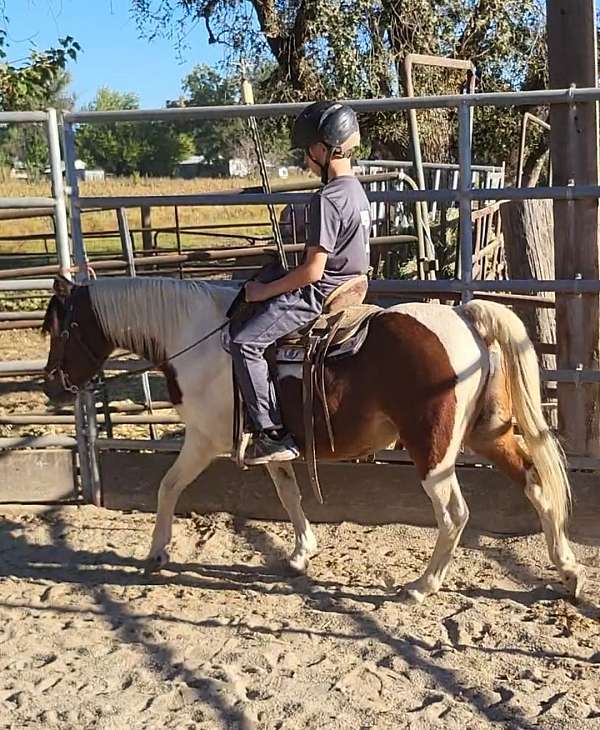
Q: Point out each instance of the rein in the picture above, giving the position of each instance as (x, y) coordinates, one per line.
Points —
(167, 360)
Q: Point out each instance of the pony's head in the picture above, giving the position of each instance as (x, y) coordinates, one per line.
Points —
(78, 347)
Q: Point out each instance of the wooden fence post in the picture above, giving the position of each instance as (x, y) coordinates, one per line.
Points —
(146, 217)
(574, 148)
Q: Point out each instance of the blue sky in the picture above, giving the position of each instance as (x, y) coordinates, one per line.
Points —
(113, 54)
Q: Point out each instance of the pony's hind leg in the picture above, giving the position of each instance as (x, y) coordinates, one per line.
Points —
(195, 455)
(284, 478)
(452, 514)
(511, 458)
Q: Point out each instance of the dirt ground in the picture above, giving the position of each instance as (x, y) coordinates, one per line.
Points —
(224, 639)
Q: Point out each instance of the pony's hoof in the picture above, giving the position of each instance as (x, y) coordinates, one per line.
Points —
(156, 563)
(416, 592)
(574, 581)
(411, 596)
(298, 565)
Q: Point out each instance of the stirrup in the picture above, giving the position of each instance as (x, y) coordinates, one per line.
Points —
(240, 449)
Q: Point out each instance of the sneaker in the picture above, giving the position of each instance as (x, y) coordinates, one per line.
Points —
(265, 449)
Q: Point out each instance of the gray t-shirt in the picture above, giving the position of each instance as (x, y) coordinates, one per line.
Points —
(339, 221)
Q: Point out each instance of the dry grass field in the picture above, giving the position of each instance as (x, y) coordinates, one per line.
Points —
(255, 217)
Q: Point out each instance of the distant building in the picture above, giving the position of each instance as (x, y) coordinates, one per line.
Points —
(92, 175)
(199, 166)
(238, 167)
(18, 171)
(84, 173)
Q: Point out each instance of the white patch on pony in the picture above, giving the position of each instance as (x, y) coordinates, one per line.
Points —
(470, 361)
(468, 357)
(163, 316)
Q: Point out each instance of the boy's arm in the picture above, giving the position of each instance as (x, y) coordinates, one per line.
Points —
(308, 272)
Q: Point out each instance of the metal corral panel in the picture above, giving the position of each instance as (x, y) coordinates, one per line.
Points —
(36, 475)
(362, 493)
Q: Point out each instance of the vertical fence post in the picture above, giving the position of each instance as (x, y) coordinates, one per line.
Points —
(464, 205)
(85, 408)
(574, 148)
(58, 192)
(146, 219)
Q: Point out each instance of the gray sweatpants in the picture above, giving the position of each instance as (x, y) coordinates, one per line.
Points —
(276, 318)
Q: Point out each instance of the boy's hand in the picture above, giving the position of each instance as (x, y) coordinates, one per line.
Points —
(256, 291)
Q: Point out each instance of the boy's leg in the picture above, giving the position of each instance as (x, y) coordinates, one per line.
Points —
(254, 379)
(281, 315)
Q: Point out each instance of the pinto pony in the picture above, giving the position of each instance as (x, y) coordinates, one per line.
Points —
(432, 376)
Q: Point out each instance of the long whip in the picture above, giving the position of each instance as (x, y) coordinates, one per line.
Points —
(248, 98)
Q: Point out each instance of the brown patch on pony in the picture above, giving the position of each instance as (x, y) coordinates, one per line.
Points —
(492, 434)
(401, 385)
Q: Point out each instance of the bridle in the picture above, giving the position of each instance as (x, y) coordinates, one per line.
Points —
(70, 328)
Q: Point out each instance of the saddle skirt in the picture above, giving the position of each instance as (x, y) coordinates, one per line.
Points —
(345, 332)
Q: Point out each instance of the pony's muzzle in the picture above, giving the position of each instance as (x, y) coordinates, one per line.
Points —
(55, 392)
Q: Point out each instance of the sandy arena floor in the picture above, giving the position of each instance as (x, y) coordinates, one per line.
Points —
(223, 639)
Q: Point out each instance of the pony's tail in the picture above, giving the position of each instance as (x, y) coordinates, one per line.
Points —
(497, 322)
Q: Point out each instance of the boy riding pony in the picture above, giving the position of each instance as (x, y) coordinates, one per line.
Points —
(337, 249)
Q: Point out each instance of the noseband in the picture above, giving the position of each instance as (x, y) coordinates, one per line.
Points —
(69, 329)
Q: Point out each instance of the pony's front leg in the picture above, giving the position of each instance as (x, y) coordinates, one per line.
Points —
(284, 478)
(451, 513)
(196, 454)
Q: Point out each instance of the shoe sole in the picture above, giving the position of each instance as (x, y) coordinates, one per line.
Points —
(258, 460)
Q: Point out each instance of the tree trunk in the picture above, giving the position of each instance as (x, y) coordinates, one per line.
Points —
(528, 228)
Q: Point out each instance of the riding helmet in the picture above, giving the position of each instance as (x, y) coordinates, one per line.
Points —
(329, 122)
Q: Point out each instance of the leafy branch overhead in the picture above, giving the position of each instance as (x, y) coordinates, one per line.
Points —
(29, 84)
(355, 49)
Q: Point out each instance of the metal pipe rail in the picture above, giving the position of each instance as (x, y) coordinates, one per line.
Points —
(389, 287)
(26, 285)
(215, 254)
(18, 419)
(396, 104)
(21, 213)
(408, 164)
(8, 316)
(22, 324)
(12, 368)
(51, 441)
(23, 117)
(27, 202)
(571, 192)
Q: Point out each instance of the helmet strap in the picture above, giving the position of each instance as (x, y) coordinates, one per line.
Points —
(324, 168)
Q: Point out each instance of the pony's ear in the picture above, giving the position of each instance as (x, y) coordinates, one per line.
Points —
(63, 286)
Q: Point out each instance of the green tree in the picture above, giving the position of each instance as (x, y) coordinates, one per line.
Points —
(226, 138)
(126, 148)
(27, 142)
(162, 147)
(36, 82)
(215, 140)
(28, 84)
(113, 147)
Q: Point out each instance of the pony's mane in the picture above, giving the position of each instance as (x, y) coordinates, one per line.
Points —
(143, 315)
